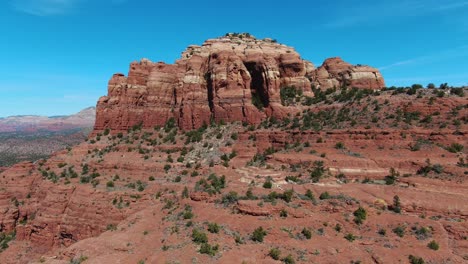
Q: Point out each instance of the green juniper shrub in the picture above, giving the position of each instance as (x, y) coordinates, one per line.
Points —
(110, 184)
(289, 259)
(399, 231)
(208, 249)
(288, 195)
(455, 148)
(306, 233)
(324, 196)
(318, 170)
(268, 184)
(416, 260)
(339, 145)
(185, 192)
(338, 228)
(199, 237)
(213, 228)
(230, 198)
(258, 234)
(396, 207)
(310, 195)
(350, 237)
(283, 213)
(360, 215)
(433, 245)
(382, 232)
(275, 253)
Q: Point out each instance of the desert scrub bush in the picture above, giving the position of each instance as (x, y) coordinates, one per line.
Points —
(288, 95)
(258, 234)
(82, 259)
(283, 213)
(230, 198)
(318, 171)
(433, 245)
(324, 196)
(396, 206)
(288, 259)
(360, 215)
(350, 237)
(110, 184)
(185, 192)
(310, 195)
(275, 253)
(187, 213)
(111, 227)
(455, 148)
(199, 237)
(306, 233)
(338, 228)
(5, 239)
(287, 195)
(195, 135)
(399, 231)
(258, 160)
(425, 170)
(213, 228)
(390, 179)
(457, 91)
(208, 249)
(212, 185)
(234, 136)
(339, 145)
(421, 233)
(292, 179)
(415, 260)
(382, 232)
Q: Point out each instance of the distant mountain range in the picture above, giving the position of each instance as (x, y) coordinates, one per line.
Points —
(32, 137)
(33, 123)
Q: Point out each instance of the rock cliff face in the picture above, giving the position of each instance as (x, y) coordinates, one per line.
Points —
(336, 73)
(232, 78)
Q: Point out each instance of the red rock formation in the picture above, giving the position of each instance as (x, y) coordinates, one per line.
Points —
(220, 80)
(335, 72)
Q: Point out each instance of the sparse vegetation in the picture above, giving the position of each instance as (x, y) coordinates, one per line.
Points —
(433, 245)
(258, 234)
(275, 253)
(360, 215)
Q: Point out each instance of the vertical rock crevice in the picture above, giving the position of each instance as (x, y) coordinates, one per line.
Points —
(209, 88)
(258, 84)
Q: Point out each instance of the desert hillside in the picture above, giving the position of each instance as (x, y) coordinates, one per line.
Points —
(243, 152)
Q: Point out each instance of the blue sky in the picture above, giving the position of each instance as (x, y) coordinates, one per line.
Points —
(56, 56)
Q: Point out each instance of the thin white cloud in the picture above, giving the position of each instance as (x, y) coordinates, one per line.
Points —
(354, 15)
(399, 63)
(456, 52)
(51, 7)
(45, 7)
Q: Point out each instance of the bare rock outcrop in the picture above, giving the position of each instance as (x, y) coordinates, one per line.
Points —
(232, 78)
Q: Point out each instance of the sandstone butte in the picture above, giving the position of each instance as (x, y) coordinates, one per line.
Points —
(216, 81)
(322, 172)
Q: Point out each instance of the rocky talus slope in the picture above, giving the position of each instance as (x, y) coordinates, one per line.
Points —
(343, 175)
